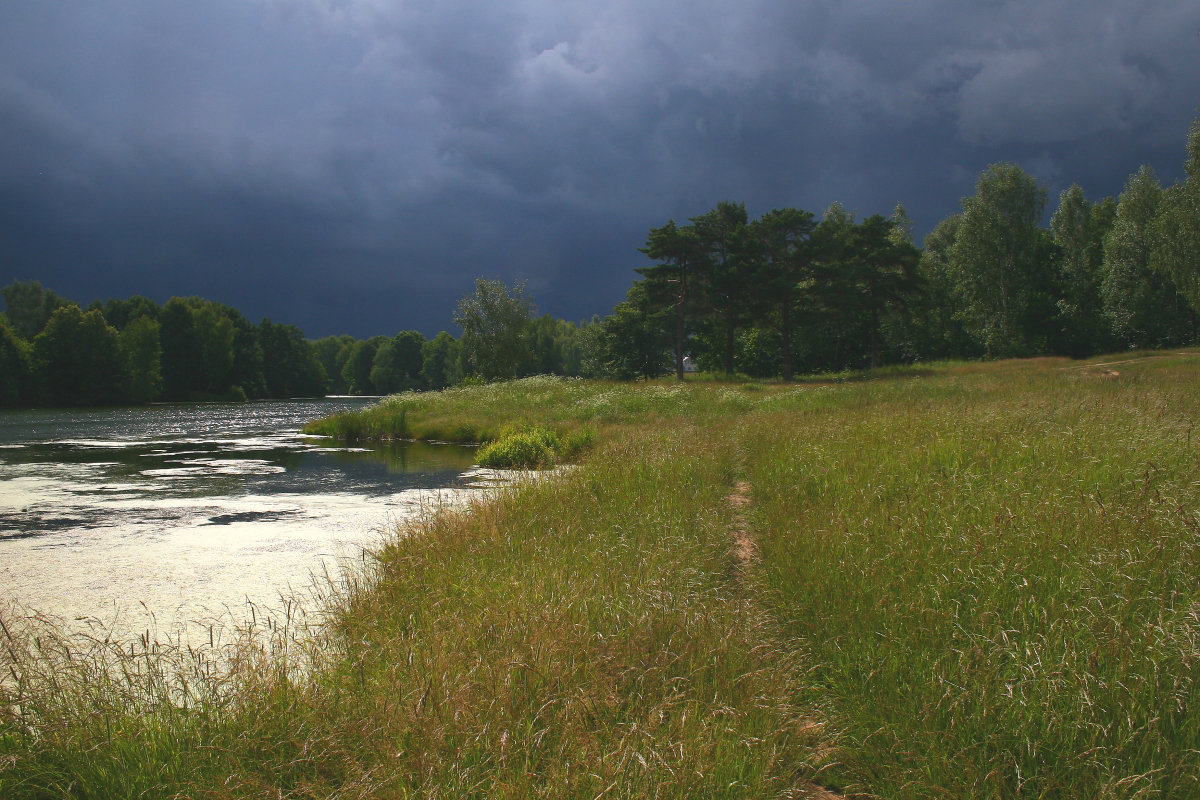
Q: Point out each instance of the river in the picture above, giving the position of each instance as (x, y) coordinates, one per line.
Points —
(184, 513)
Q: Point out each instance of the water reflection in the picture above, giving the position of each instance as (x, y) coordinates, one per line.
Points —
(413, 457)
(191, 508)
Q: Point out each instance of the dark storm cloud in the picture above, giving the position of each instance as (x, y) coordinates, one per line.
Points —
(352, 165)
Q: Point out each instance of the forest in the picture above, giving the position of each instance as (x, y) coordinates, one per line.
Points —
(773, 297)
(131, 351)
(786, 294)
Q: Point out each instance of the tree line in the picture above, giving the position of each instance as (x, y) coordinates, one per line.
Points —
(786, 293)
(776, 296)
(132, 351)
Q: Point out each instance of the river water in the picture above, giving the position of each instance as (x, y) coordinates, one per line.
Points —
(188, 513)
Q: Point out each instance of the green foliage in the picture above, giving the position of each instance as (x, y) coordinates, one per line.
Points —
(78, 360)
(1176, 228)
(397, 364)
(181, 355)
(190, 349)
(782, 254)
(842, 287)
(360, 360)
(142, 353)
(213, 337)
(440, 361)
(122, 313)
(902, 227)
(633, 341)
(386, 375)
(522, 448)
(675, 285)
(494, 320)
(209, 348)
(939, 331)
(877, 276)
(332, 352)
(1142, 304)
(409, 355)
(290, 365)
(1079, 229)
(554, 347)
(29, 307)
(1000, 265)
(15, 368)
(721, 235)
(247, 370)
(758, 353)
(531, 446)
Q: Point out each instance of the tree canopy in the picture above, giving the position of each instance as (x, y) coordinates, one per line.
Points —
(493, 321)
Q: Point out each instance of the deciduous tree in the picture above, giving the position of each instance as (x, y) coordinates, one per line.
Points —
(290, 364)
(440, 361)
(15, 376)
(1140, 303)
(493, 321)
(182, 363)
(142, 353)
(1176, 229)
(937, 324)
(1000, 264)
(78, 360)
(1079, 228)
(397, 363)
(29, 306)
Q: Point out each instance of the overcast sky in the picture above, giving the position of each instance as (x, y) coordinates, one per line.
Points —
(350, 166)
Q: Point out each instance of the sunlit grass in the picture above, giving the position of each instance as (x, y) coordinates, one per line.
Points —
(563, 405)
(998, 587)
(973, 580)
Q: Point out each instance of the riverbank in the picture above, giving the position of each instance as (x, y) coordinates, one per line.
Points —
(970, 580)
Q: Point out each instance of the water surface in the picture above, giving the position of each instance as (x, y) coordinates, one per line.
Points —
(189, 511)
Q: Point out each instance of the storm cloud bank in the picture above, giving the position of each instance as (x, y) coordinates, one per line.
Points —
(352, 165)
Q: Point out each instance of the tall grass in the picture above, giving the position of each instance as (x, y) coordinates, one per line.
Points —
(85, 715)
(581, 637)
(973, 580)
(482, 413)
(998, 586)
(562, 648)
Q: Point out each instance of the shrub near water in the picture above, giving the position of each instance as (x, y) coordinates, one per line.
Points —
(532, 447)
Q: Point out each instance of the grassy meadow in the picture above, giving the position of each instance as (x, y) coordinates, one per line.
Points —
(959, 580)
